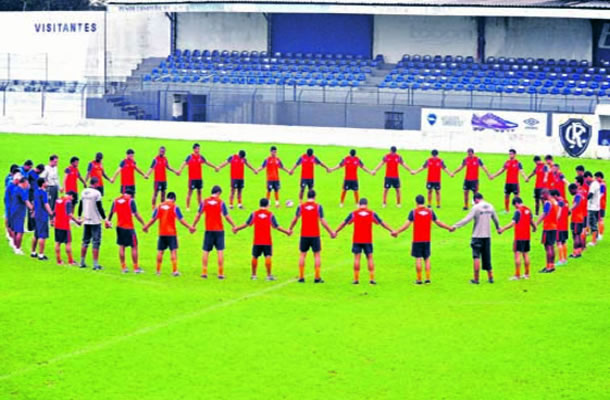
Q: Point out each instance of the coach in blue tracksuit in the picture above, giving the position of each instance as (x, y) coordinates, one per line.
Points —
(19, 204)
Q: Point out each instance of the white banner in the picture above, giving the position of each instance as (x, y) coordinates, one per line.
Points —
(443, 120)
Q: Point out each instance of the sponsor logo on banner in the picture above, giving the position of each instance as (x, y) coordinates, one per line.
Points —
(467, 121)
(575, 135)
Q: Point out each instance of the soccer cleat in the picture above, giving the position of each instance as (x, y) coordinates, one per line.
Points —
(383, 205)
(429, 205)
(490, 280)
(398, 205)
(221, 277)
(231, 206)
(600, 237)
(372, 282)
(270, 278)
(97, 267)
(240, 206)
(525, 277)
(340, 205)
(138, 271)
(546, 270)
(492, 122)
(33, 255)
(572, 256)
(318, 280)
(277, 204)
(591, 244)
(42, 257)
(253, 278)
(561, 263)
(301, 280)
(474, 282)
(418, 282)
(514, 278)
(175, 273)
(19, 252)
(438, 207)
(124, 270)
(158, 273)
(204, 276)
(465, 208)
(74, 264)
(83, 265)
(355, 282)
(427, 282)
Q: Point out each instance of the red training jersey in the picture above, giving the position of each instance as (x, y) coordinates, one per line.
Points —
(434, 165)
(263, 220)
(310, 213)
(472, 165)
(579, 202)
(128, 172)
(71, 181)
(603, 190)
(551, 209)
(237, 166)
(564, 216)
(96, 170)
(351, 165)
(540, 171)
(523, 220)
(422, 218)
(512, 171)
(124, 207)
(307, 164)
(392, 161)
(363, 220)
(63, 209)
(194, 162)
(167, 213)
(214, 209)
(273, 165)
(159, 165)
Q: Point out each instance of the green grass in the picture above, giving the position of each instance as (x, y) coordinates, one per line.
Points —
(67, 333)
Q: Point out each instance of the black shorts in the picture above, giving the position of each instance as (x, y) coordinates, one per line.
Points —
(273, 185)
(577, 228)
(264, 249)
(307, 183)
(538, 193)
(63, 236)
(521, 246)
(562, 237)
(350, 185)
(195, 184)
(92, 234)
(41, 230)
(132, 187)
(420, 250)
(391, 183)
(592, 220)
(167, 242)
(126, 237)
(549, 238)
(473, 186)
(100, 189)
(481, 248)
(237, 183)
(213, 239)
(511, 188)
(75, 198)
(160, 186)
(358, 248)
(308, 242)
(602, 213)
(433, 186)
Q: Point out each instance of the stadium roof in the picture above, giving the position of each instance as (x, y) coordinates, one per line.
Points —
(596, 9)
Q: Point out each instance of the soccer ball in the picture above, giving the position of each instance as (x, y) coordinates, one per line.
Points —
(289, 203)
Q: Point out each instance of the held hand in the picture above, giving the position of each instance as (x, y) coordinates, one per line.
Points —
(499, 231)
(290, 232)
(333, 234)
(108, 225)
(452, 229)
(533, 229)
(234, 230)
(394, 234)
(192, 229)
(217, 169)
(145, 229)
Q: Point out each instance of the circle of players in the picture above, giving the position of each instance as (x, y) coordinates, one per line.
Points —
(35, 197)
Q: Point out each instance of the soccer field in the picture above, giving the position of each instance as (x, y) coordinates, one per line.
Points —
(70, 333)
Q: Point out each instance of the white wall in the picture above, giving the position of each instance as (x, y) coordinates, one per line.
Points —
(222, 31)
(134, 36)
(399, 34)
(71, 43)
(539, 37)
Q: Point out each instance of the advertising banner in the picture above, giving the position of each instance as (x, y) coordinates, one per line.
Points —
(442, 120)
(577, 133)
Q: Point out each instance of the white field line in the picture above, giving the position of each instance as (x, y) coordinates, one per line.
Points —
(151, 328)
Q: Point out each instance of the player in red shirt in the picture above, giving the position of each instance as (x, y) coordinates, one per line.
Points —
(523, 222)
(167, 213)
(194, 162)
(71, 177)
(556, 180)
(125, 209)
(95, 169)
(562, 227)
(472, 164)
(351, 164)
(434, 165)
(127, 169)
(263, 221)
(392, 161)
(64, 208)
(311, 215)
(308, 163)
(578, 212)
(513, 168)
(540, 171)
(214, 237)
(362, 240)
(160, 166)
(422, 219)
(550, 217)
(273, 164)
(602, 203)
(237, 162)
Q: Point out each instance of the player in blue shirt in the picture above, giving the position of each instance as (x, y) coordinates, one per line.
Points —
(42, 213)
(19, 204)
(8, 182)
